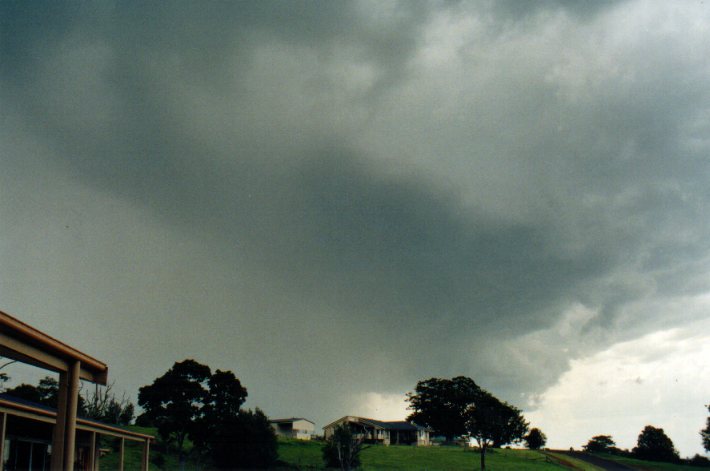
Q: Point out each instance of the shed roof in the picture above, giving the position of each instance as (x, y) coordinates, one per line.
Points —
(291, 419)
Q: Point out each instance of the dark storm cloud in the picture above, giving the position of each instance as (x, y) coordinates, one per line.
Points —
(256, 131)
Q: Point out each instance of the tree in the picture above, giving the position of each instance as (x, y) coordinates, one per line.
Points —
(244, 440)
(102, 404)
(440, 404)
(226, 395)
(3, 376)
(342, 449)
(188, 401)
(174, 402)
(233, 438)
(46, 393)
(705, 433)
(535, 439)
(490, 421)
(653, 444)
(600, 444)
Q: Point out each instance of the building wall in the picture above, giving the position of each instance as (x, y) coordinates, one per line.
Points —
(299, 429)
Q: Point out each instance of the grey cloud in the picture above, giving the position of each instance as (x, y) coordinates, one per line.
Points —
(311, 210)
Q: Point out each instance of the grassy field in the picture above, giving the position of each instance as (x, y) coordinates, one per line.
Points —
(307, 456)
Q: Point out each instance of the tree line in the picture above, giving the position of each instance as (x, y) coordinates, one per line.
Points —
(652, 445)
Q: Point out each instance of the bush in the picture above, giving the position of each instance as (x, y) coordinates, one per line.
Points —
(600, 444)
(243, 441)
(699, 461)
(342, 449)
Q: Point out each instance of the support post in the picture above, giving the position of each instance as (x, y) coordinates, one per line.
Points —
(64, 435)
(3, 424)
(57, 461)
(92, 452)
(121, 451)
(145, 463)
(70, 427)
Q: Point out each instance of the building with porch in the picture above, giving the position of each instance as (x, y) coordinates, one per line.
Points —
(377, 431)
(34, 437)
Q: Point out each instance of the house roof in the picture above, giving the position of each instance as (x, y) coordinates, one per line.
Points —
(291, 419)
(45, 413)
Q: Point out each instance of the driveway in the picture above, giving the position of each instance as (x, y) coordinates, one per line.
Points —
(596, 461)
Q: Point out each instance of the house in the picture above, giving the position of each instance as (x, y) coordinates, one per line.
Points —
(294, 427)
(27, 430)
(36, 437)
(377, 431)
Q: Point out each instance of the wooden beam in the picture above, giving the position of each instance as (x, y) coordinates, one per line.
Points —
(10, 347)
(21, 351)
(22, 342)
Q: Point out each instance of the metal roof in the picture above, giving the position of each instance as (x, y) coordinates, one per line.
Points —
(291, 419)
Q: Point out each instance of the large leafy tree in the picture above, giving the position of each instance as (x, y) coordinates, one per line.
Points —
(653, 444)
(535, 439)
(174, 402)
(600, 444)
(705, 433)
(231, 437)
(492, 422)
(440, 403)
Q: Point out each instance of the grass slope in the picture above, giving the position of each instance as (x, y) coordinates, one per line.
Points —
(305, 455)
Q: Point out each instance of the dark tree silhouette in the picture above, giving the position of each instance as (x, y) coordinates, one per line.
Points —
(173, 403)
(535, 439)
(490, 421)
(244, 440)
(46, 393)
(440, 404)
(600, 444)
(705, 433)
(653, 444)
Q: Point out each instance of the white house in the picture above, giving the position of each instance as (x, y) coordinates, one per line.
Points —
(294, 427)
(386, 433)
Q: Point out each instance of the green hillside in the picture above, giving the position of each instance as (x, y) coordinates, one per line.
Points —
(307, 456)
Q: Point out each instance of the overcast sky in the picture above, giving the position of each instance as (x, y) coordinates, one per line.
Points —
(335, 200)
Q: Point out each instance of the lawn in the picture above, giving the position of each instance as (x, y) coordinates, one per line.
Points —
(307, 456)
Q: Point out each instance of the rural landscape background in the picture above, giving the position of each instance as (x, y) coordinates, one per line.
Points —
(336, 200)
